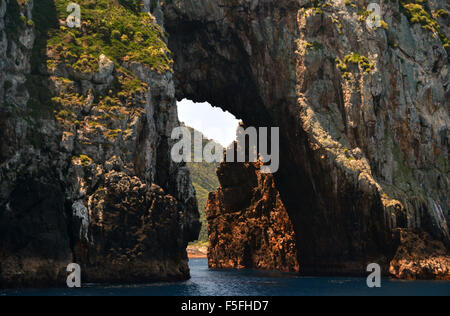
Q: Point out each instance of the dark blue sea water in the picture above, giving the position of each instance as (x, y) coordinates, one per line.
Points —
(252, 283)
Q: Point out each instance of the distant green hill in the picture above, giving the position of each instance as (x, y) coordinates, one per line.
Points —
(205, 180)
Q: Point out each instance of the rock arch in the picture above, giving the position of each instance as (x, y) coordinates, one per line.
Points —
(281, 63)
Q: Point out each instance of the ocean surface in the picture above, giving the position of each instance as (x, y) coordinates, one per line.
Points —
(205, 282)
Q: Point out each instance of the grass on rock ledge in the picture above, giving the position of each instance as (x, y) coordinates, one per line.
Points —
(109, 28)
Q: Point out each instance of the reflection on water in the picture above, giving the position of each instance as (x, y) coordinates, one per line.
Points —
(253, 283)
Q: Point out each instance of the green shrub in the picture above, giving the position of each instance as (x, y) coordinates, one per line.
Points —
(362, 61)
(85, 160)
(115, 34)
(441, 13)
(416, 13)
(134, 35)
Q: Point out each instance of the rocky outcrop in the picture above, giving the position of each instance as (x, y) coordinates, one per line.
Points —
(363, 117)
(133, 233)
(85, 168)
(197, 252)
(248, 223)
(420, 257)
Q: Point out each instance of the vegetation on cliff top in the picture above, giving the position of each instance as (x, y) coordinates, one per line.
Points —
(109, 28)
(416, 12)
(116, 29)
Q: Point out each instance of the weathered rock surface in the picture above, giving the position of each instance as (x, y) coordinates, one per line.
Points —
(248, 223)
(133, 233)
(420, 257)
(363, 116)
(197, 252)
(85, 168)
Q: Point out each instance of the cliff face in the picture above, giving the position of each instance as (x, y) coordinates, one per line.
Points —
(363, 117)
(86, 116)
(85, 170)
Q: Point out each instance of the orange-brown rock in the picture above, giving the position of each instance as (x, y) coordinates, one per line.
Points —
(197, 252)
(420, 257)
(248, 223)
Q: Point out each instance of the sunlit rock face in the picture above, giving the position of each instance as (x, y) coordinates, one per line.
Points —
(247, 222)
(363, 116)
(85, 168)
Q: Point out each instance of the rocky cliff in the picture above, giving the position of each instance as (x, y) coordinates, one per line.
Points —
(85, 171)
(86, 115)
(363, 115)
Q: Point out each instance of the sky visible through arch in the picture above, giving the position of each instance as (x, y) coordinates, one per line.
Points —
(213, 122)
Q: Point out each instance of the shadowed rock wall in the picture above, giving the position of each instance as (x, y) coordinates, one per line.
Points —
(85, 168)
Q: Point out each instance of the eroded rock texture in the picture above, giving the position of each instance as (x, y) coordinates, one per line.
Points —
(420, 255)
(85, 168)
(248, 223)
(134, 233)
(363, 117)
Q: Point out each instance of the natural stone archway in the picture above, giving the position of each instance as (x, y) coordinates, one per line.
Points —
(357, 123)
(85, 169)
